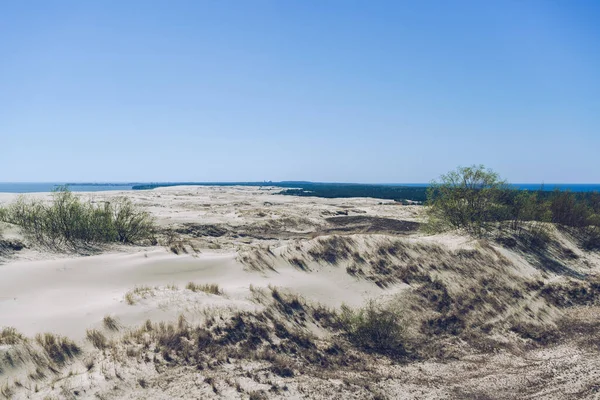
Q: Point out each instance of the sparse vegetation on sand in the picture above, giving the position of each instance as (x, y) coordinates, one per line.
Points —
(68, 220)
(96, 338)
(209, 288)
(58, 348)
(10, 336)
(111, 323)
(375, 328)
(142, 292)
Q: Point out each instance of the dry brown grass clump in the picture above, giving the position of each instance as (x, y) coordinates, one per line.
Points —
(111, 323)
(266, 336)
(257, 259)
(10, 336)
(138, 291)
(97, 338)
(333, 249)
(212, 288)
(58, 348)
(375, 328)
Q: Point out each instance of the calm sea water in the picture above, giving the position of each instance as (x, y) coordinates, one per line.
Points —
(99, 187)
(573, 187)
(48, 187)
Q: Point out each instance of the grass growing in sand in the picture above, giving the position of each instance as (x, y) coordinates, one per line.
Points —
(111, 323)
(96, 338)
(212, 288)
(138, 291)
(58, 348)
(10, 336)
(70, 220)
(375, 328)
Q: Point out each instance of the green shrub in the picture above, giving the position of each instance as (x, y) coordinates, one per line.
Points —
(467, 198)
(69, 220)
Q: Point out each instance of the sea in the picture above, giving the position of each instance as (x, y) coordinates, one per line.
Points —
(36, 187)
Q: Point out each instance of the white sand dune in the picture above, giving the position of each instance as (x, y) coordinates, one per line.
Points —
(67, 296)
(249, 240)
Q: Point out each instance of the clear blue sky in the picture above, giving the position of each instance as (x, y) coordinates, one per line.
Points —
(347, 91)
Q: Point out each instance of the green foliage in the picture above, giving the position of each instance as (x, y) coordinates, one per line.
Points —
(375, 328)
(69, 220)
(467, 197)
(473, 197)
(591, 240)
(567, 210)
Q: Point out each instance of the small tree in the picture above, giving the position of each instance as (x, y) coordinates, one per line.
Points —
(467, 197)
(568, 210)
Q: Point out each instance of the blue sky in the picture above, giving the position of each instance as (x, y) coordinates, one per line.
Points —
(347, 91)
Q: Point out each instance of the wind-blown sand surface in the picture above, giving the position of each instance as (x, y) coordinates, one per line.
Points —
(255, 244)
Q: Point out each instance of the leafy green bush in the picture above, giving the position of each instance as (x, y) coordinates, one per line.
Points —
(467, 198)
(69, 220)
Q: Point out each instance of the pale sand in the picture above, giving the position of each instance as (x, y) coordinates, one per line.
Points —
(43, 291)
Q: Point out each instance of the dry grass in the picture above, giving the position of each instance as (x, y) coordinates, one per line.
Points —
(111, 323)
(375, 328)
(138, 292)
(333, 249)
(6, 391)
(258, 395)
(130, 298)
(257, 259)
(212, 288)
(96, 338)
(10, 336)
(59, 349)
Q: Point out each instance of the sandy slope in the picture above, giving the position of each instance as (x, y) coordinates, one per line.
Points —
(69, 295)
(249, 239)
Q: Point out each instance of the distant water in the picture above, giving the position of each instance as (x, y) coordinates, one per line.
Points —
(573, 187)
(48, 187)
(100, 187)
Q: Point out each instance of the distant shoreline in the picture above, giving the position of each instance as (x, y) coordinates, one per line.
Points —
(413, 192)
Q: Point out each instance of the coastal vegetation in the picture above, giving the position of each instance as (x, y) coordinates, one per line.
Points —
(477, 199)
(69, 220)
